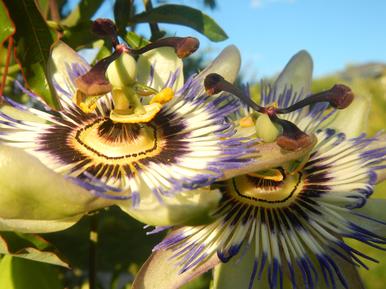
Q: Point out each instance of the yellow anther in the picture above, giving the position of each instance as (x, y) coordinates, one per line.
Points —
(271, 174)
(247, 121)
(86, 103)
(124, 116)
(163, 96)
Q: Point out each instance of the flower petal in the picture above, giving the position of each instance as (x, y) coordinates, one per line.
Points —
(37, 226)
(268, 156)
(160, 272)
(227, 64)
(188, 208)
(237, 274)
(31, 194)
(373, 216)
(352, 121)
(158, 66)
(297, 75)
(380, 143)
(20, 115)
(64, 65)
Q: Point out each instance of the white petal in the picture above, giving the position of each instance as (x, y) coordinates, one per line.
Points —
(237, 273)
(227, 64)
(373, 211)
(30, 191)
(352, 120)
(37, 226)
(188, 208)
(159, 272)
(62, 60)
(165, 63)
(296, 74)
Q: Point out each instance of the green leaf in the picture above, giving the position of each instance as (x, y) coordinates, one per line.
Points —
(82, 12)
(183, 15)
(123, 11)
(30, 247)
(122, 241)
(33, 42)
(16, 273)
(134, 40)
(6, 26)
(77, 25)
(80, 35)
(43, 6)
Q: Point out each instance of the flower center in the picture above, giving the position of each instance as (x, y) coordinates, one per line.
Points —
(104, 140)
(265, 191)
(117, 74)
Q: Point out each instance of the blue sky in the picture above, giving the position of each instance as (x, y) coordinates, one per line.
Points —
(269, 32)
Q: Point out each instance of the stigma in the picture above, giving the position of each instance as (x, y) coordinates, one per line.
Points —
(269, 125)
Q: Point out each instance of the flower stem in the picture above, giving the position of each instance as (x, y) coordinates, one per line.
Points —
(6, 66)
(54, 11)
(93, 241)
(155, 31)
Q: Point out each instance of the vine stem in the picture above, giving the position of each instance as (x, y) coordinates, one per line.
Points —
(92, 262)
(5, 72)
(54, 11)
(155, 31)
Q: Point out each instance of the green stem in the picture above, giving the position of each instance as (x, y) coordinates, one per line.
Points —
(155, 31)
(93, 241)
(54, 11)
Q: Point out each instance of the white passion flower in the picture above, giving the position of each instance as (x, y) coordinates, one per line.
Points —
(119, 137)
(285, 225)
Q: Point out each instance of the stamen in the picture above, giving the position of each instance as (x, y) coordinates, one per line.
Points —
(183, 46)
(292, 138)
(339, 96)
(215, 83)
(246, 121)
(164, 96)
(95, 82)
